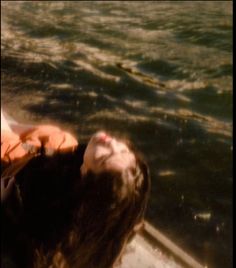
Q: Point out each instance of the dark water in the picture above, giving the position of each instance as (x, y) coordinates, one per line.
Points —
(158, 72)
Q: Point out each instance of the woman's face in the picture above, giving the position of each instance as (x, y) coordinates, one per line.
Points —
(105, 153)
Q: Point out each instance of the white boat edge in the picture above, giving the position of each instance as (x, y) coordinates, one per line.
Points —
(170, 246)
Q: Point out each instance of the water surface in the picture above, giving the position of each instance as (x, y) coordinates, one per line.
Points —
(159, 73)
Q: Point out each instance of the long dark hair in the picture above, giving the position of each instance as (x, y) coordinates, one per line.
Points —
(79, 221)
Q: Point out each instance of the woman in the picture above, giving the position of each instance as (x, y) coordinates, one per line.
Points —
(81, 207)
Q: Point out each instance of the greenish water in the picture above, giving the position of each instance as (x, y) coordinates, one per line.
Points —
(157, 72)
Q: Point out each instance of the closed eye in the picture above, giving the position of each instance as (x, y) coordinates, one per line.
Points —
(124, 151)
(104, 158)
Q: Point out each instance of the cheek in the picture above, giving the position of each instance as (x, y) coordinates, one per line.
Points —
(122, 147)
(101, 151)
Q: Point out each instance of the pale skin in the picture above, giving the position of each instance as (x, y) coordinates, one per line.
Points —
(8, 182)
(4, 125)
(106, 153)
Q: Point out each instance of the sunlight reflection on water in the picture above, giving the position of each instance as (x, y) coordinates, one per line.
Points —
(160, 73)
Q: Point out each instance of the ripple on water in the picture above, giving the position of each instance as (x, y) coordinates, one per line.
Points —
(162, 76)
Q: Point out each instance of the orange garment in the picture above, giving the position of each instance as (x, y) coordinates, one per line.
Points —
(51, 137)
(11, 146)
(16, 150)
